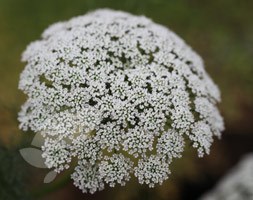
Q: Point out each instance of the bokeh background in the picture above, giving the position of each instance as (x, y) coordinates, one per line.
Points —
(221, 31)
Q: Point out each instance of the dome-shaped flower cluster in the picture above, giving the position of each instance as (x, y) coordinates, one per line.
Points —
(118, 93)
(237, 185)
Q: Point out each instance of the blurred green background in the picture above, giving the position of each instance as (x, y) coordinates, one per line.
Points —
(221, 31)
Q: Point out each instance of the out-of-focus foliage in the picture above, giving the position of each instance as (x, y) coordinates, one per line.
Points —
(12, 175)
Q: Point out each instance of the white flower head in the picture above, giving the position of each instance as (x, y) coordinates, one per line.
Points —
(118, 93)
(237, 184)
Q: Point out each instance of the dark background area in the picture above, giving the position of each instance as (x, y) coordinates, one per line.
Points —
(221, 31)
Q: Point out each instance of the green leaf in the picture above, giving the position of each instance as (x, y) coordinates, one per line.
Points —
(33, 157)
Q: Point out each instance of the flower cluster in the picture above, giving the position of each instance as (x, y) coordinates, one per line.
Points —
(118, 93)
(238, 184)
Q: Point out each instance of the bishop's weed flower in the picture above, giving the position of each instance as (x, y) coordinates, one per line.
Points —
(236, 185)
(118, 93)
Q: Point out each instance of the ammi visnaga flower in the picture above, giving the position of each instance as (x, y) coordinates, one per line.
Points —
(118, 93)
